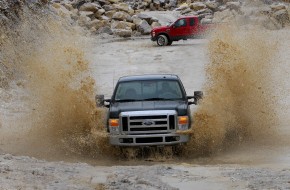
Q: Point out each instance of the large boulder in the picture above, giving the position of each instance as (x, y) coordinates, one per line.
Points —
(122, 7)
(108, 7)
(197, 6)
(204, 11)
(62, 11)
(145, 17)
(186, 11)
(105, 30)
(110, 13)
(122, 16)
(234, 5)
(99, 13)
(131, 12)
(182, 7)
(123, 32)
(97, 24)
(172, 3)
(136, 20)
(68, 6)
(86, 13)
(103, 2)
(103, 17)
(114, 1)
(84, 20)
(93, 7)
(212, 5)
(143, 27)
(155, 24)
(156, 2)
(122, 25)
(277, 7)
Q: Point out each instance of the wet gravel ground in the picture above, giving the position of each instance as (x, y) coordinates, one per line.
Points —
(262, 178)
(22, 172)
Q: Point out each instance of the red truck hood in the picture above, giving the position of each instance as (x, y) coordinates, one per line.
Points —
(160, 28)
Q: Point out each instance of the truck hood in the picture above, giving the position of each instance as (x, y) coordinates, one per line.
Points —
(118, 107)
(160, 28)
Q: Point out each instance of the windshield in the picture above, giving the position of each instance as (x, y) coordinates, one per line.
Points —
(148, 90)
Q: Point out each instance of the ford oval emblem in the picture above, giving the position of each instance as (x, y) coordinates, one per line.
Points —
(148, 122)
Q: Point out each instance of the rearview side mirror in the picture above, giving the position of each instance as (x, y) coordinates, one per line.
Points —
(197, 96)
(100, 100)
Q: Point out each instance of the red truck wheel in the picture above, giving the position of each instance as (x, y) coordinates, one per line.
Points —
(162, 40)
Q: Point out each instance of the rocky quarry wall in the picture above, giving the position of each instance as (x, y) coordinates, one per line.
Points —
(127, 18)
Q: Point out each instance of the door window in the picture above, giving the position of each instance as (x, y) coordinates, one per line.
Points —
(191, 21)
(181, 23)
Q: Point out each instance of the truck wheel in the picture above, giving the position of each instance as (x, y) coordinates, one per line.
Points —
(169, 42)
(162, 40)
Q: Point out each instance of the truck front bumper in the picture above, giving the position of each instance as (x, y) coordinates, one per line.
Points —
(148, 140)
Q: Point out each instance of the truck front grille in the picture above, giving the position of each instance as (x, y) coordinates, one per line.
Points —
(144, 122)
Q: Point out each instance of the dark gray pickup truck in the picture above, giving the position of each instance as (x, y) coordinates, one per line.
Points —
(148, 110)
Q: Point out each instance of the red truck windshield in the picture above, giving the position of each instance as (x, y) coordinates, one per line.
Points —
(148, 90)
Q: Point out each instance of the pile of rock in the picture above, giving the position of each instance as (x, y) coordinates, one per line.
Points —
(275, 16)
(106, 16)
(270, 14)
(208, 9)
(153, 5)
(124, 18)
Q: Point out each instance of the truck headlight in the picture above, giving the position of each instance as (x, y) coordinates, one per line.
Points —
(183, 122)
(114, 125)
(153, 34)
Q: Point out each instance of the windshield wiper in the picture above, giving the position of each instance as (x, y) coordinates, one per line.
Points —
(152, 99)
(128, 100)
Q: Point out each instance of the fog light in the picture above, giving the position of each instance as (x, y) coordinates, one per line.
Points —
(114, 130)
(183, 127)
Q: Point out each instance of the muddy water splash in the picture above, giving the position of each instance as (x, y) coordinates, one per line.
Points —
(49, 57)
(240, 99)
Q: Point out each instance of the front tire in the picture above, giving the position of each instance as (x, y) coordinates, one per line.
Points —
(162, 40)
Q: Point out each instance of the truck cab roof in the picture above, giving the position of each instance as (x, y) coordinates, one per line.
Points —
(149, 77)
(190, 16)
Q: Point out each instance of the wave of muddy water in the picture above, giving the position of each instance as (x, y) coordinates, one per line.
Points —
(241, 97)
(49, 110)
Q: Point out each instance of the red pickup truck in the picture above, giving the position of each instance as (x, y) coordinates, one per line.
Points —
(182, 29)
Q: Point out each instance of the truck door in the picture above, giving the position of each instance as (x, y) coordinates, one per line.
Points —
(179, 29)
(193, 26)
